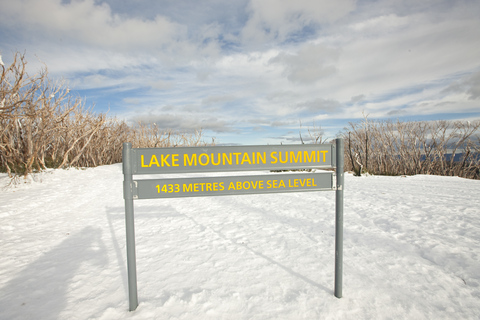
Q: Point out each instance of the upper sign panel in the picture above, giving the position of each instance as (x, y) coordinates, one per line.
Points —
(238, 158)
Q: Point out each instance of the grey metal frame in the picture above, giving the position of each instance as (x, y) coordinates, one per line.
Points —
(131, 189)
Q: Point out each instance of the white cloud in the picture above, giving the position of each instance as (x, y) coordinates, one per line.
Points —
(469, 85)
(357, 98)
(320, 105)
(310, 64)
(217, 99)
(90, 23)
(458, 103)
(278, 20)
(424, 53)
(382, 24)
(161, 85)
(186, 122)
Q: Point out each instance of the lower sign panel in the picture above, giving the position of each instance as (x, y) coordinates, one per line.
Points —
(233, 185)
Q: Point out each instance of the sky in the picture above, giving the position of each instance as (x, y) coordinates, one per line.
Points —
(255, 71)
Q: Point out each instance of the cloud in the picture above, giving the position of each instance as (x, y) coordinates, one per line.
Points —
(470, 85)
(310, 64)
(474, 87)
(320, 105)
(186, 122)
(228, 15)
(279, 20)
(132, 101)
(90, 22)
(280, 123)
(397, 112)
(89, 25)
(382, 24)
(161, 85)
(217, 100)
(357, 98)
(403, 64)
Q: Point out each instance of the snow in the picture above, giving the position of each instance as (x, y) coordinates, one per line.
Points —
(411, 251)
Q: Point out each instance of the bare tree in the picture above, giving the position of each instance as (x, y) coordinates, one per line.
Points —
(436, 147)
(42, 125)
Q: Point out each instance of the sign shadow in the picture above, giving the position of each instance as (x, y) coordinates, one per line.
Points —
(40, 290)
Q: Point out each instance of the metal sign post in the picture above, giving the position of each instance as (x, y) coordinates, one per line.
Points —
(221, 159)
(130, 226)
(339, 220)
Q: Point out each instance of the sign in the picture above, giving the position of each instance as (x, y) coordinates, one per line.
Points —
(240, 158)
(155, 161)
(236, 185)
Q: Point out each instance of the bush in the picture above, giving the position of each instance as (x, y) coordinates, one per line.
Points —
(449, 148)
(42, 125)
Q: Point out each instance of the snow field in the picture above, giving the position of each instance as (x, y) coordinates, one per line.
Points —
(410, 251)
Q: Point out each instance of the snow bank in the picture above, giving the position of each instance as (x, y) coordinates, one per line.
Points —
(411, 251)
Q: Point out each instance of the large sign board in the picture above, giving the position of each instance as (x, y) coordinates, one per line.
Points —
(163, 161)
(240, 158)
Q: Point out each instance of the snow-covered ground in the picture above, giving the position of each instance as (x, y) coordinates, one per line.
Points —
(411, 251)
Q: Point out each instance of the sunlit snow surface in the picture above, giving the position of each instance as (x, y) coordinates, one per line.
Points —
(411, 251)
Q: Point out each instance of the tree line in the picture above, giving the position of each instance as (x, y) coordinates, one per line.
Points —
(43, 126)
(448, 148)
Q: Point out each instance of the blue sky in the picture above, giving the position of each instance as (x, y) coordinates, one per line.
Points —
(252, 71)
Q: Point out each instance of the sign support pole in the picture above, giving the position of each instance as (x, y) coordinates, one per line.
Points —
(339, 219)
(130, 225)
